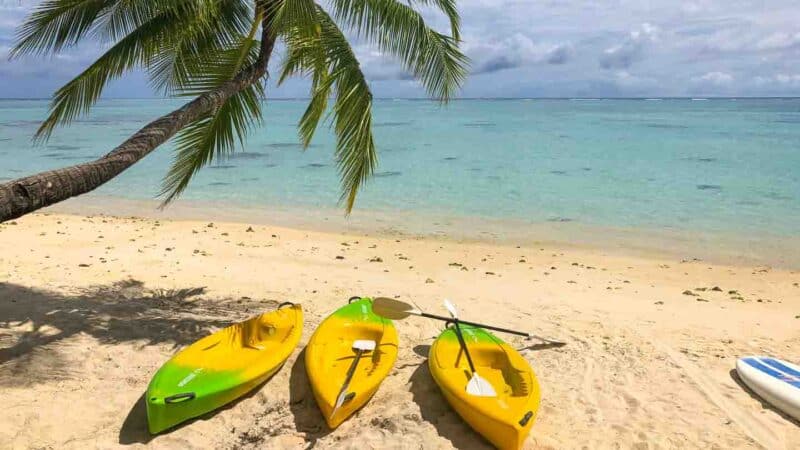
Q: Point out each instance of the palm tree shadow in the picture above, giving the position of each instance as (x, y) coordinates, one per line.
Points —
(307, 417)
(435, 409)
(764, 404)
(124, 311)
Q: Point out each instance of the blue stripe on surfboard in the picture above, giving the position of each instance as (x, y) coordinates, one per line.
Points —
(772, 372)
(780, 366)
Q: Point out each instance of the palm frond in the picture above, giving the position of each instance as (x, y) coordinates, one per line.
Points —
(306, 55)
(146, 45)
(215, 135)
(321, 85)
(79, 94)
(326, 54)
(449, 8)
(433, 58)
(123, 16)
(184, 56)
(56, 24)
(224, 66)
(309, 58)
(281, 16)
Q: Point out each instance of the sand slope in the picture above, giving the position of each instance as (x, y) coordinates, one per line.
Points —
(90, 307)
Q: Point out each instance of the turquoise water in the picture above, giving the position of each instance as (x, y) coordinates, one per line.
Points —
(716, 165)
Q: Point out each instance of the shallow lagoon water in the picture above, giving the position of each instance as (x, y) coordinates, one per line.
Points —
(723, 165)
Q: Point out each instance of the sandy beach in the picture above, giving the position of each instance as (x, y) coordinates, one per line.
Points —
(91, 306)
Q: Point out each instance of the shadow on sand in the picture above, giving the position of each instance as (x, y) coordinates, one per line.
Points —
(134, 428)
(422, 350)
(124, 311)
(541, 346)
(735, 377)
(435, 409)
(33, 321)
(307, 417)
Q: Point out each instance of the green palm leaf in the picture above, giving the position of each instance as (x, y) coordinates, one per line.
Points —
(215, 135)
(147, 44)
(123, 16)
(56, 24)
(78, 95)
(184, 56)
(196, 46)
(433, 58)
(326, 54)
(449, 8)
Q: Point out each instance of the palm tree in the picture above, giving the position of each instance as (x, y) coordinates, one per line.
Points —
(209, 49)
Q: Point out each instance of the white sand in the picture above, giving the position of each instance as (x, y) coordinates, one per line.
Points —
(91, 307)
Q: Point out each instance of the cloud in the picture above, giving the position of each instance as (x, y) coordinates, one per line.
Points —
(622, 56)
(561, 48)
(714, 79)
(515, 51)
(779, 80)
(779, 41)
(559, 54)
(378, 66)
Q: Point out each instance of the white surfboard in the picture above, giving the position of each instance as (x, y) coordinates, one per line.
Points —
(774, 380)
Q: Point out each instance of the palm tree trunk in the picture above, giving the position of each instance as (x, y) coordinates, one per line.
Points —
(24, 195)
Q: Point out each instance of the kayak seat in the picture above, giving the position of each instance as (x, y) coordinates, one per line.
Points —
(260, 332)
(494, 364)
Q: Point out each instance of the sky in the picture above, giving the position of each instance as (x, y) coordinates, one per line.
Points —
(532, 48)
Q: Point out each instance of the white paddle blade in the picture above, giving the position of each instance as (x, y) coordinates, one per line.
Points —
(451, 308)
(480, 387)
(364, 345)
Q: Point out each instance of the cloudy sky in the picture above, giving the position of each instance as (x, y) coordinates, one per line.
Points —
(532, 48)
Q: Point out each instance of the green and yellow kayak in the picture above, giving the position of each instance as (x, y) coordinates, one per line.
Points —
(505, 420)
(330, 354)
(222, 367)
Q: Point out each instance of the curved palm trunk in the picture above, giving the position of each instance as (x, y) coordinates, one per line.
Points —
(24, 195)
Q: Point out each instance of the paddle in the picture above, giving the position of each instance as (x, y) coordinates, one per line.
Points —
(360, 347)
(477, 385)
(397, 310)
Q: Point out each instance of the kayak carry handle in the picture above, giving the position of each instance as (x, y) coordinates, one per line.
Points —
(526, 418)
(351, 299)
(178, 398)
(284, 304)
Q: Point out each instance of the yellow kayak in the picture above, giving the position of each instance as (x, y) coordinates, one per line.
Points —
(222, 367)
(504, 420)
(331, 357)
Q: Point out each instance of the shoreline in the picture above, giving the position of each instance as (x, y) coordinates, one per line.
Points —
(666, 243)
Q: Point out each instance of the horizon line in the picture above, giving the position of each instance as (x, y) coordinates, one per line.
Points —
(790, 97)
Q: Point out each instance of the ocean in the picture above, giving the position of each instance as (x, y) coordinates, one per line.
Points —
(728, 166)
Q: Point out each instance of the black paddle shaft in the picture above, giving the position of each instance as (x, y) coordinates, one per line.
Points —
(475, 324)
(463, 345)
(350, 372)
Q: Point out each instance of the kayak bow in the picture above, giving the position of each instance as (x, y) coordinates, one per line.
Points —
(221, 367)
